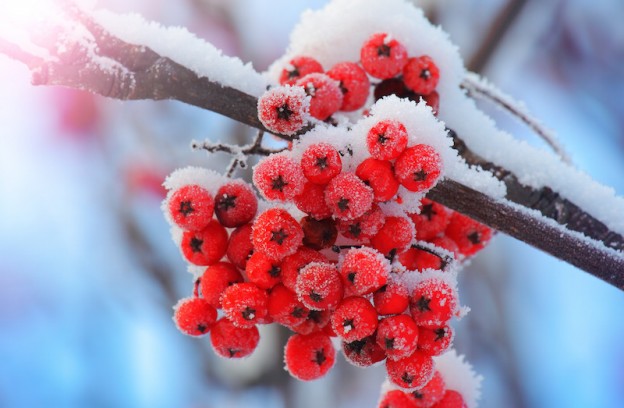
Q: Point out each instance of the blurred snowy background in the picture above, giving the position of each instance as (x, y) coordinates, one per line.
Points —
(88, 273)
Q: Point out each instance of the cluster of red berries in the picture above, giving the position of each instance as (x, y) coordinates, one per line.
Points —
(433, 395)
(306, 89)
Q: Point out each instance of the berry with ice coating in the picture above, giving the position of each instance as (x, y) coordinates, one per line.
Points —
(451, 399)
(432, 303)
(240, 247)
(397, 336)
(263, 271)
(316, 321)
(365, 226)
(319, 234)
(378, 175)
(312, 201)
(194, 316)
(292, 265)
(191, 207)
(245, 304)
(364, 352)
(298, 67)
(207, 246)
(279, 177)
(319, 286)
(284, 307)
(421, 74)
(363, 271)
(413, 371)
(321, 163)
(348, 197)
(418, 168)
(387, 139)
(309, 357)
(432, 220)
(431, 393)
(416, 259)
(354, 319)
(235, 204)
(396, 234)
(390, 299)
(215, 279)
(230, 341)
(469, 235)
(354, 84)
(435, 341)
(276, 233)
(382, 56)
(325, 94)
(396, 399)
(284, 109)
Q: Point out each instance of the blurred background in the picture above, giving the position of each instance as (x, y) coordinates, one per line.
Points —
(88, 272)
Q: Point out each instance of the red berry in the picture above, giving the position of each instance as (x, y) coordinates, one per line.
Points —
(325, 93)
(320, 163)
(469, 235)
(398, 336)
(292, 265)
(240, 247)
(354, 84)
(230, 341)
(396, 399)
(312, 201)
(390, 299)
(319, 286)
(235, 204)
(382, 56)
(418, 168)
(319, 234)
(363, 271)
(445, 242)
(365, 226)
(298, 67)
(276, 233)
(316, 321)
(431, 393)
(348, 197)
(432, 220)
(394, 86)
(433, 101)
(387, 139)
(245, 304)
(396, 234)
(284, 109)
(216, 279)
(284, 307)
(379, 175)
(309, 357)
(191, 207)
(354, 319)
(413, 371)
(451, 399)
(421, 75)
(194, 316)
(435, 341)
(432, 303)
(206, 246)
(415, 259)
(278, 177)
(364, 352)
(263, 271)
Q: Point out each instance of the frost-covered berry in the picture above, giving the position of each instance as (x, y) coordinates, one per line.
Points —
(396, 399)
(194, 316)
(421, 74)
(325, 94)
(298, 67)
(240, 246)
(432, 220)
(365, 226)
(435, 341)
(416, 259)
(235, 204)
(354, 84)
(469, 235)
(191, 207)
(451, 399)
(278, 177)
(319, 286)
(387, 139)
(284, 307)
(312, 201)
(316, 321)
(263, 271)
(245, 304)
(215, 279)
(413, 371)
(309, 357)
(396, 234)
(382, 56)
(378, 175)
(284, 110)
(390, 299)
(348, 197)
(276, 233)
(207, 246)
(364, 270)
(354, 319)
(230, 341)
(321, 162)
(431, 393)
(364, 352)
(432, 303)
(418, 168)
(292, 265)
(319, 234)
(398, 336)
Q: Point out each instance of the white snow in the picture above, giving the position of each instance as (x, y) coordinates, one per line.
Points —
(459, 376)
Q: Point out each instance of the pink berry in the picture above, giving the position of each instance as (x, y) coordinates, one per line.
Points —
(390, 299)
(348, 197)
(191, 207)
(354, 84)
(309, 357)
(298, 67)
(230, 341)
(435, 341)
(469, 235)
(397, 336)
(194, 316)
(216, 279)
(378, 175)
(325, 94)
(284, 109)
(240, 246)
(292, 265)
(413, 371)
(421, 75)
(382, 56)
(319, 286)
(387, 139)
(432, 303)
(207, 246)
(354, 319)
(278, 177)
(235, 204)
(418, 168)
(364, 270)
(396, 234)
(245, 304)
(276, 233)
(321, 162)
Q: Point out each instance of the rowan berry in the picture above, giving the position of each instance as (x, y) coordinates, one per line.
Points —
(382, 56)
(292, 265)
(276, 233)
(285, 308)
(416, 259)
(421, 75)
(235, 204)
(316, 321)
(396, 234)
(378, 175)
(397, 336)
(432, 303)
(298, 67)
(433, 101)
(445, 242)
(418, 168)
(387, 139)
(207, 246)
(325, 94)
(319, 234)
(263, 271)
(390, 299)
(451, 399)
(348, 197)
(284, 109)
(432, 220)
(215, 279)
(363, 271)
(240, 246)
(354, 84)
(194, 316)
(309, 357)
(435, 341)
(312, 201)
(244, 304)
(354, 319)
(319, 286)
(365, 226)
(413, 371)
(469, 235)
(191, 207)
(230, 341)
(431, 393)
(320, 163)
(394, 86)
(364, 352)
(396, 399)
(278, 177)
